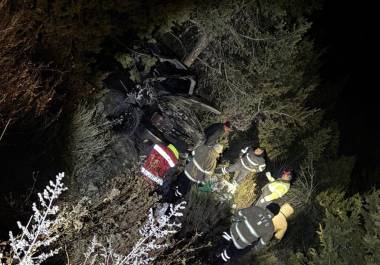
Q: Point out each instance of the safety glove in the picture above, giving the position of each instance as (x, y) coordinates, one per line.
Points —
(269, 176)
(231, 187)
(206, 187)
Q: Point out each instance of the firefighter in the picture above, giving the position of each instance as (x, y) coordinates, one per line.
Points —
(159, 167)
(251, 160)
(217, 131)
(251, 231)
(276, 188)
(199, 170)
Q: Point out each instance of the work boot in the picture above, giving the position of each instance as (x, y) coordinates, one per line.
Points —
(217, 259)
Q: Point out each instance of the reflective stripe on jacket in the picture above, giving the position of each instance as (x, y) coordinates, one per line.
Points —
(251, 162)
(158, 163)
(252, 225)
(202, 165)
(277, 189)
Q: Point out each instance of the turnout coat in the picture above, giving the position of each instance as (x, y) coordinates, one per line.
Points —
(253, 225)
(202, 165)
(158, 164)
(251, 162)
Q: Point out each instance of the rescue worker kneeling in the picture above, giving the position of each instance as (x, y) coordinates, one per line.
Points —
(251, 160)
(160, 167)
(252, 229)
(199, 170)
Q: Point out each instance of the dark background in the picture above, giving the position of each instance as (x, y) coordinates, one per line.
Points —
(348, 90)
(348, 93)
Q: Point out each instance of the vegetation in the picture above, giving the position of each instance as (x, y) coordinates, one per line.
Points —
(349, 231)
(26, 93)
(254, 60)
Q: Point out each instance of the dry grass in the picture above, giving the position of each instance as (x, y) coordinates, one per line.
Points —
(116, 215)
(23, 92)
(246, 193)
(89, 136)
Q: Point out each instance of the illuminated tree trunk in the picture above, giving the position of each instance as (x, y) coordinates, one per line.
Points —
(202, 43)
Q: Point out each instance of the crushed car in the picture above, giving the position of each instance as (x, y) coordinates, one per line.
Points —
(160, 108)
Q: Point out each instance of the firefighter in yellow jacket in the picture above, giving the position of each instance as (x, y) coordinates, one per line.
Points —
(275, 189)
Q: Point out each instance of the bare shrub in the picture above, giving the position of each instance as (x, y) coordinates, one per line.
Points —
(205, 218)
(24, 93)
(89, 136)
(114, 215)
(33, 246)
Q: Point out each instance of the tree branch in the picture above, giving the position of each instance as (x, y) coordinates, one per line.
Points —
(180, 42)
(218, 71)
(5, 128)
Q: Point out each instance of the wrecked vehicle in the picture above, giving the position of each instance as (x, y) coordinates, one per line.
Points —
(160, 108)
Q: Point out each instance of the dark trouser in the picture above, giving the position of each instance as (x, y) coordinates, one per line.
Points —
(165, 189)
(179, 191)
(183, 187)
(165, 192)
(226, 250)
(239, 168)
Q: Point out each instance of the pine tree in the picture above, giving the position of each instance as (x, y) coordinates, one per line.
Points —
(349, 231)
(371, 215)
(256, 67)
